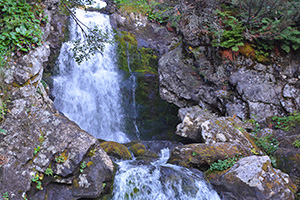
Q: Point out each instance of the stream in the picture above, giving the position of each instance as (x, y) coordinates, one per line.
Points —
(89, 94)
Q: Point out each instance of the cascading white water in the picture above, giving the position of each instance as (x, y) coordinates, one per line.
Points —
(89, 93)
(160, 181)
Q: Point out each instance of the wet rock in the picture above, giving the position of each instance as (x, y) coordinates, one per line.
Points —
(253, 178)
(139, 150)
(201, 156)
(116, 150)
(157, 145)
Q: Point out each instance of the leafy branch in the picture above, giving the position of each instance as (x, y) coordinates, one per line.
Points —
(93, 42)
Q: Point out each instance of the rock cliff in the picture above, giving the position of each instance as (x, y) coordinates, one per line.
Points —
(44, 155)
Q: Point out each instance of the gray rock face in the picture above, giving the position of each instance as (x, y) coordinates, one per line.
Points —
(178, 82)
(193, 74)
(254, 178)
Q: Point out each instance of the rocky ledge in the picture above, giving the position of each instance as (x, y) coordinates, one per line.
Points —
(44, 155)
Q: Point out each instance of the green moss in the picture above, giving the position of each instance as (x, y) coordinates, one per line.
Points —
(141, 60)
(155, 116)
(138, 149)
(116, 149)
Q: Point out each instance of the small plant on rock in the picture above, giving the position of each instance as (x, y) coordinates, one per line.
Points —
(37, 179)
(36, 150)
(223, 164)
(49, 172)
(5, 196)
(82, 166)
(2, 131)
(60, 159)
(268, 144)
(287, 122)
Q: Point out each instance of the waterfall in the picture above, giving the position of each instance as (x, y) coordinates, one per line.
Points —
(160, 181)
(89, 93)
(132, 79)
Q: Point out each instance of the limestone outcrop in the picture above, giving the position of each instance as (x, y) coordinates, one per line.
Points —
(253, 177)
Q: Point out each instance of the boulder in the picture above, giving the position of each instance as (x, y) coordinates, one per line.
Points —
(201, 156)
(199, 125)
(253, 177)
(139, 150)
(116, 150)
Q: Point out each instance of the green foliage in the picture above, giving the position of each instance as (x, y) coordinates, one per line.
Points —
(20, 27)
(134, 6)
(287, 122)
(3, 109)
(45, 85)
(41, 139)
(5, 196)
(60, 159)
(37, 180)
(271, 20)
(3, 131)
(157, 16)
(49, 172)
(268, 144)
(290, 37)
(223, 164)
(231, 33)
(264, 24)
(82, 166)
(296, 143)
(93, 42)
(36, 150)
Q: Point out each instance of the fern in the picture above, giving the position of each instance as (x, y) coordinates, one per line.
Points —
(231, 34)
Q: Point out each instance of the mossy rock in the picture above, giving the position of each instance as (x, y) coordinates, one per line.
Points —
(201, 156)
(139, 150)
(116, 150)
(141, 60)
